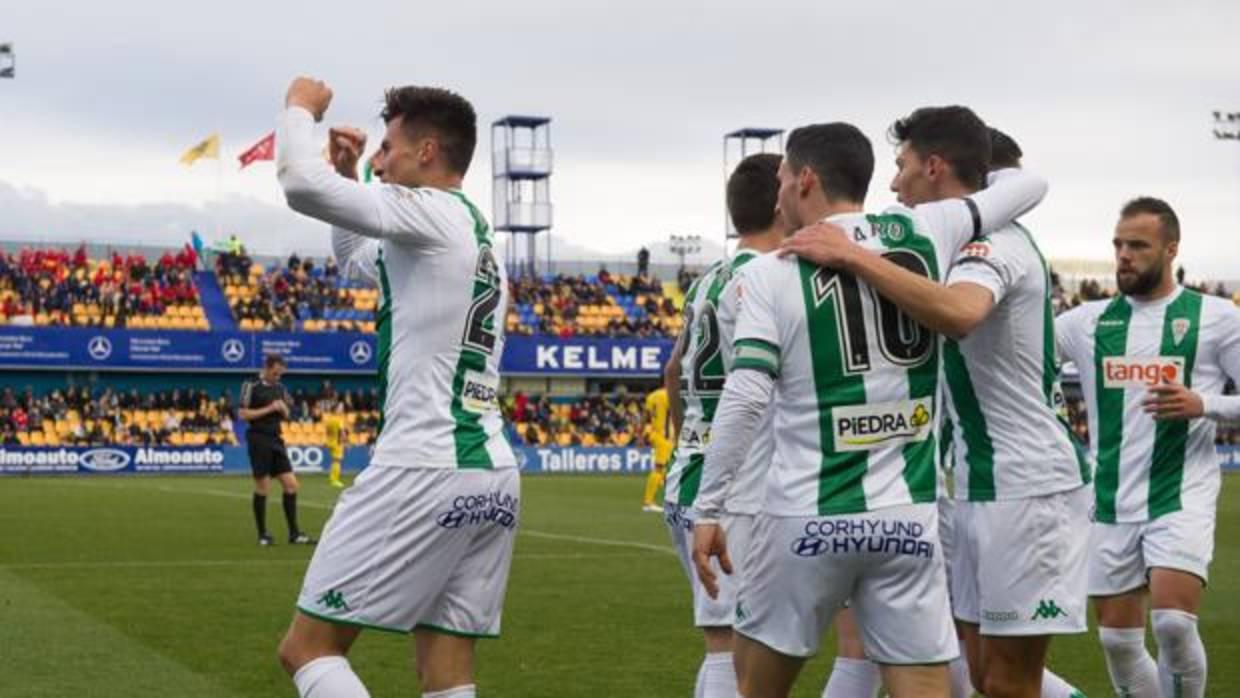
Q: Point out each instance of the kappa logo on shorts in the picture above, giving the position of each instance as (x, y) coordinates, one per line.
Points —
(334, 600)
(478, 509)
(1049, 610)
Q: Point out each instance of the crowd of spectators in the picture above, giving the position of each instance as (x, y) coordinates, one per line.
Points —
(298, 295)
(52, 286)
(602, 304)
(595, 420)
(80, 416)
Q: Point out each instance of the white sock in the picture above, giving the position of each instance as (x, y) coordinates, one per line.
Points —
(716, 677)
(853, 678)
(466, 691)
(1053, 686)
(962, 685)
(1132, 669)
(1181, 656)
(329, 677)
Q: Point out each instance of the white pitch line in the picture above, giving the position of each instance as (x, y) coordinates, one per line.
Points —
(142, 564)
(610, 542)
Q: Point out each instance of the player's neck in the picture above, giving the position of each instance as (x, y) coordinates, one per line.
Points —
(762, 242)
(446, 181)
(950, 188)
(826, 209)
(1165, 288)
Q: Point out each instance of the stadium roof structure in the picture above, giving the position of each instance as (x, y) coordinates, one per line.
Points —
(517, 121)
(754, 133)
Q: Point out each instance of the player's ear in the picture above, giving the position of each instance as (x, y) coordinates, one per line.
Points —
(807, 179)
(428, 150)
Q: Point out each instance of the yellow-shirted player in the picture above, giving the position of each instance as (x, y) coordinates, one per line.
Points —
(334, 424)
(658, 433)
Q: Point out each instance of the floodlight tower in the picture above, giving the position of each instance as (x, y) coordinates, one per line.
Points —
(521, 184)
(8, 61)
(739, 145)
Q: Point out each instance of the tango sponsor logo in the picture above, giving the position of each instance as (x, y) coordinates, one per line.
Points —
(854, 536)
(479, 509)
(1141, 371)
(868, 427)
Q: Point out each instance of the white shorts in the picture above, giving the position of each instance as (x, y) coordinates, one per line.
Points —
(720, 611)
(410, 548)
(886, 563)
(1019, 566)
(1121, 554)
(947, 533)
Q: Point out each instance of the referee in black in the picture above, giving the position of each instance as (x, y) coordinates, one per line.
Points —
(265, 403)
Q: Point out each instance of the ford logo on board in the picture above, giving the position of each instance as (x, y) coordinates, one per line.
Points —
(104, 459)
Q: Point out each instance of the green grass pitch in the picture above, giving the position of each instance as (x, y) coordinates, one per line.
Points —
(151, 586)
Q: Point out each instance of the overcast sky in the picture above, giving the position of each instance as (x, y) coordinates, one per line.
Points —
(1108, 99)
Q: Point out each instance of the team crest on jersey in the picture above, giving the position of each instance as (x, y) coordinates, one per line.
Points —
(1179, 328)
(889, 230)
(869, 427)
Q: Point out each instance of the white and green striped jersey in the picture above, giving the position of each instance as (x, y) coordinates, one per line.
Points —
(1011, 437)
(706, 355)
(442, 304)
(1148, 468)
(855, 378)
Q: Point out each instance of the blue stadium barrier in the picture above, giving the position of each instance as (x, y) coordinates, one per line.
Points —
(142, 460)
(122, 460)
(75, 348)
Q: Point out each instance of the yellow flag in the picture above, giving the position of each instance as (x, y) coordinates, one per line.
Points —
(209, 148)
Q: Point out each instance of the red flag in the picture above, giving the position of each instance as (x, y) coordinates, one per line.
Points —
(262, 150)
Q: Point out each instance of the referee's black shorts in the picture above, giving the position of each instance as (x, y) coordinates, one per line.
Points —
(268, 457)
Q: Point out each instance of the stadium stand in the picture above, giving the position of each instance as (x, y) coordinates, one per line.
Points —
(595, 420)
(80, 416)
(595, 305)
(52, 287)
(298, 296)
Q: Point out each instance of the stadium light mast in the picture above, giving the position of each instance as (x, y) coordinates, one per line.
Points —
(1226, 125)
(684, 245)
(737, 146)
(8, 61)
(521, 159)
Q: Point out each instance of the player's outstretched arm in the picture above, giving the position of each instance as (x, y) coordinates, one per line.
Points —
(950, 310)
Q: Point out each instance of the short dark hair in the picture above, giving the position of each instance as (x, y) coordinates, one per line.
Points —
(450, 116)
(953, 133)
(1170, 223)
(1004, 150)
(273, 359)
(753, 192)
(839, 154)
